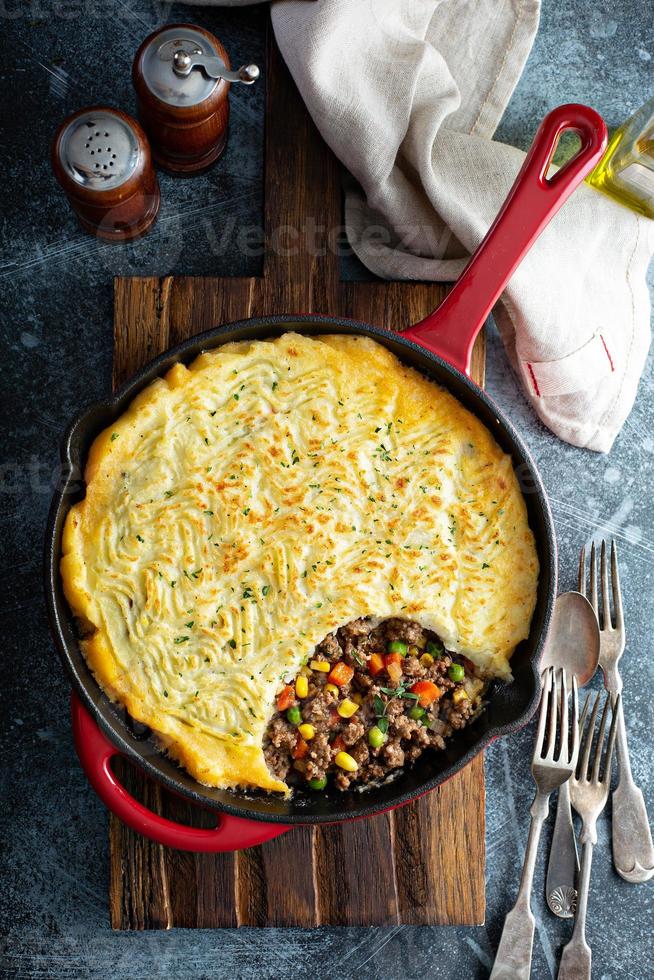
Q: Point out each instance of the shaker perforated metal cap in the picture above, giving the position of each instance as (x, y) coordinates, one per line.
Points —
(98, 149)
(182, 65)
(102, 159)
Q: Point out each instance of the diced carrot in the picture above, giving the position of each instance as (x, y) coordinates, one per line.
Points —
(393, 658)
(375, 664)
(285, 698)
(334, 717)
(301, 748)
(341, 674)
(338, 744)
(427, 693)
(394, 673)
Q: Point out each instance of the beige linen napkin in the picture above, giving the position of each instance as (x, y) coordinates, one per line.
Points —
(408, 94)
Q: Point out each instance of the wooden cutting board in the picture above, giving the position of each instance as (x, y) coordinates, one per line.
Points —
(421, 864)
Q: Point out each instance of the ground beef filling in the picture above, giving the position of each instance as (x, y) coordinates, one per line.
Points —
(369, 701)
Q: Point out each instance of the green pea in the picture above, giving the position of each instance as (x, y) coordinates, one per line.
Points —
(416, 713)
(318, 783)
(294, 715)
(435, 649)
(398, 646)
(456, 673)
(376, 737)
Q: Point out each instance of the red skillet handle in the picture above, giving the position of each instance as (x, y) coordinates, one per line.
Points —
(533, 200)
(95, 751)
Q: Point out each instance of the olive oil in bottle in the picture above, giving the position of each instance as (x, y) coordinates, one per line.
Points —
(626, 171)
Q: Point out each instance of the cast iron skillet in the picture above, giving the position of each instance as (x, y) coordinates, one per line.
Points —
(440, 348)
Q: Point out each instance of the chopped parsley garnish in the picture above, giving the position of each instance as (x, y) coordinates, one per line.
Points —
(139, 538)
(265, 590)
(232, 644)
(380, 712)
(181, 639)
(380, 707)
(114, 436)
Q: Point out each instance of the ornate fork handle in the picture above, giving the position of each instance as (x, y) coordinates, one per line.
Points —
(513, 960)
(633, 852)
(576, 957)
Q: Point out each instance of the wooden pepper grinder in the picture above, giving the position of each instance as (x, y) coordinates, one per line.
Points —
(182, 76)
(101, 158)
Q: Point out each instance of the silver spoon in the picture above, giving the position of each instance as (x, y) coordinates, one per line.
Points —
(573, 643)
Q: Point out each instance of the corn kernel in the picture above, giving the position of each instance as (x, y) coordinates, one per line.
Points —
(427, 660)
(307, 732)
(322, 665)
(357, 698)
(345, 761)
(302, 687)
(347, 708)
(459, 695)
(331, 689)
(413, 651)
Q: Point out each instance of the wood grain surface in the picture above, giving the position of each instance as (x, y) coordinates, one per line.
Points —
(420, 864)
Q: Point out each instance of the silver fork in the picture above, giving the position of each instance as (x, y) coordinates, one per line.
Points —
(550, 769)
(633, 853)
(589, 791)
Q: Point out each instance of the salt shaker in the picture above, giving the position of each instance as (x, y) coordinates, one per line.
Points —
(182, 75)
(102, 160)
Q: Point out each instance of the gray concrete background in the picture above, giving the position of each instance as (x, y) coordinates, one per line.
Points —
(56, 341)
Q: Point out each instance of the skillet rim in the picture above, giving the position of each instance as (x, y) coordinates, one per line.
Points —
(109, 408)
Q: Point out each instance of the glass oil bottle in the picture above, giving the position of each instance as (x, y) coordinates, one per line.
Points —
(626, 171)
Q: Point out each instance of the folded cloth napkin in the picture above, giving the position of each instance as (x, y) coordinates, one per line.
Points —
(408, 93)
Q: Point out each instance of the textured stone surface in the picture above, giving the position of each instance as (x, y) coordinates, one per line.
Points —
(56, 333)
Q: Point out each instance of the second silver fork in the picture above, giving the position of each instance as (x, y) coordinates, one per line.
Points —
(589, 791)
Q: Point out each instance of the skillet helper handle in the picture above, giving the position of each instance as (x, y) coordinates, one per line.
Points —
(95, 752)
(534, 199)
